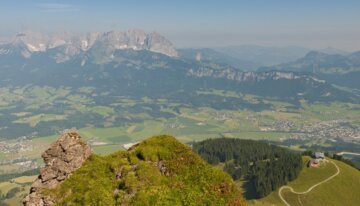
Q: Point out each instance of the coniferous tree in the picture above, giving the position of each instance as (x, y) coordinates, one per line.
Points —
(267, 166)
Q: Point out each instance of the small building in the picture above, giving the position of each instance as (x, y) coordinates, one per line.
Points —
(318, 158)
(319, 155)
(314, 163)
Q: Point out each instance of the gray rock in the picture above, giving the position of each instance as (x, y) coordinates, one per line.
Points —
(63, 157)
(65, 46)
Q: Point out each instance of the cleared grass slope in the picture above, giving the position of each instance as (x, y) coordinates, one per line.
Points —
(344, 189)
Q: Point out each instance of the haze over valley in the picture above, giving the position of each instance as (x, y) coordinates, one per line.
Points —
(256, 123)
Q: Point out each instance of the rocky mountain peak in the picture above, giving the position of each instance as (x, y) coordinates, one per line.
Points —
(34, 41)
(137, 40)
(64, 156)
(159, 44)
(315, 55)
(66, 46)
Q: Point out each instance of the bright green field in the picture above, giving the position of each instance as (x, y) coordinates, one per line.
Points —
(34, 120)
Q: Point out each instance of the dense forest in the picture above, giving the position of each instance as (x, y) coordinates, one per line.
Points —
(266, 166)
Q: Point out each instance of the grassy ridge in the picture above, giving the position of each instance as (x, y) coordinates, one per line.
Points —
(159, 171)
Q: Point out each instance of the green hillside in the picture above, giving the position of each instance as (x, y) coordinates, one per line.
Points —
(159, 171)
(185, 179)
(343, 189)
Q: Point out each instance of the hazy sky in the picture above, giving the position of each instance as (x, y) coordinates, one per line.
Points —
(197, 23)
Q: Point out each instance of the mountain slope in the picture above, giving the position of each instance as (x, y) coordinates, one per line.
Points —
(318, 62)
(262, 55)
(206, 55)
(158, 171)
(143, 72)
(136, 74)
(338, 69)
(137, 63)
(341, 190)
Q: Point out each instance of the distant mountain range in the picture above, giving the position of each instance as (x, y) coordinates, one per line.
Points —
(319, 62)
(101, 45)
(140, 63)
(251, 57)
(112, 73)
(207, 55)
(65, 46)
(246, 57)
(336, 68)
(262, 55)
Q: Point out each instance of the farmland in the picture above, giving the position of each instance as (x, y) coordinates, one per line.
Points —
(33, 116)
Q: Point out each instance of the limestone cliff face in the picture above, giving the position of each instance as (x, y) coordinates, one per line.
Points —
(63, 157)
(64, 46)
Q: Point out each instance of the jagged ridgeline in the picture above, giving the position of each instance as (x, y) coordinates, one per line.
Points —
(266, 167)
(158, 171)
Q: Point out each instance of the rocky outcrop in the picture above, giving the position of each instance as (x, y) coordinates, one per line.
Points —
(241, 76)
(63, 157)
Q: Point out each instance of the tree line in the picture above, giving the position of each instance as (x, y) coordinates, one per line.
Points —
(267, 166)
(8, 176)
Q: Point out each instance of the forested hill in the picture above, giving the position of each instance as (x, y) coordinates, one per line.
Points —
(266, 166)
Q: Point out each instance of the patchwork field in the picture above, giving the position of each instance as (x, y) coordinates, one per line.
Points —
(41, 113)
(13, 191)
